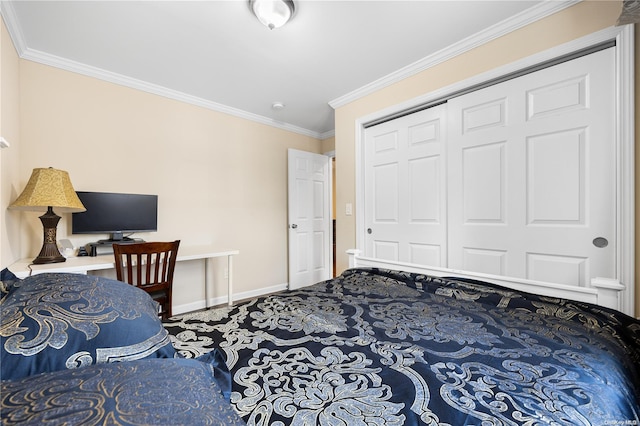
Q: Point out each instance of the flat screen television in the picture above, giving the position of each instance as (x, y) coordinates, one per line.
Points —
(115, 214)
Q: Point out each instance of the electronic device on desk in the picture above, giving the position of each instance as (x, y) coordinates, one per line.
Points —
(66, 248)
(106, 246)
(115, 214)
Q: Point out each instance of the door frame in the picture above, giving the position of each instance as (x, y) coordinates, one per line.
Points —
(625, 128)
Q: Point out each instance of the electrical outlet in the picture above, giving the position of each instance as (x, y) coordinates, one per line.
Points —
(348, 209)
(226, 272)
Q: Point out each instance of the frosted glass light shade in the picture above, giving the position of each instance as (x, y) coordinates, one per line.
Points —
(272, 13)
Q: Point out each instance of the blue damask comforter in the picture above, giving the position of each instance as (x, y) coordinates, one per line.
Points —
(389, 348)
(84, 350)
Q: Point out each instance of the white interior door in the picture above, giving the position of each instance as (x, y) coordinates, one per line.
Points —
(532, 175)
(405, 196)
(309, 210)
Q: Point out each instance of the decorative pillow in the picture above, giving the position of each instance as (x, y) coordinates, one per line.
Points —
(150, 391)
(60, 321)
(6, 282)
(7, 275)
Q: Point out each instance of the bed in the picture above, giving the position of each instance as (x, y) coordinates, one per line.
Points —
(372, 346)
(376, 346)
(81, 350)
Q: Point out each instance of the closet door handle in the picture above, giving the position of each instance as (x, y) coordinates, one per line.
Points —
(369, 231)
(600, 242)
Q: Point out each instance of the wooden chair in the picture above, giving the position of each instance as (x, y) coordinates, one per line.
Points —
(149, 266)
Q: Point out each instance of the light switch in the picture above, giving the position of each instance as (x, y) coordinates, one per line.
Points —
(348, 209)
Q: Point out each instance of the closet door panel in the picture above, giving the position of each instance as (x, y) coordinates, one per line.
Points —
(386, 196)
(405, 204)
(484, 260)
(530, 169)
(556, 178)
(483, 183)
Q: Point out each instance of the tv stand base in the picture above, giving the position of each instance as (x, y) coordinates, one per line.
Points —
(102, 247)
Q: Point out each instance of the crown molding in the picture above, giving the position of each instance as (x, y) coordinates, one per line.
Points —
(122, 80)
(11, 21)
(520, 20)
(24, 52)
(328, 134)
(524, 18)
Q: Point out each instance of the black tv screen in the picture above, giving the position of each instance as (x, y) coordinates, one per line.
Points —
(115, 214)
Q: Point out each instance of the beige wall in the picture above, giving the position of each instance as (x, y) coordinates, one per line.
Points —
(569, 24)
(220, 179)
(328, 144)
(9, 157)
(637, 163)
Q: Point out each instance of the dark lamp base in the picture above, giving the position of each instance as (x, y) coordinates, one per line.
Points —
(44, 257)
(49, 252)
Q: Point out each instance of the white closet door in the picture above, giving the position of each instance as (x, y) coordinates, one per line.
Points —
(405, 200)
(531, 175)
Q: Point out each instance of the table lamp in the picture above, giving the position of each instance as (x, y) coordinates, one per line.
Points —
(49, 188)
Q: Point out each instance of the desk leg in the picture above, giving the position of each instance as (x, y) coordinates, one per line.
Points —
(230, 279)
(207, 276)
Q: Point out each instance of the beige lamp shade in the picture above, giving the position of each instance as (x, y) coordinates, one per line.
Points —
(49, 188)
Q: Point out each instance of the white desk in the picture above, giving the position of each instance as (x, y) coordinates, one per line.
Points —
(82, 265)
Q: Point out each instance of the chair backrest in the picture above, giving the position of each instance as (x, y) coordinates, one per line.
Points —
(149, 266)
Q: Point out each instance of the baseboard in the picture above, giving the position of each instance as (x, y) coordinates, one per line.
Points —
(222, 300)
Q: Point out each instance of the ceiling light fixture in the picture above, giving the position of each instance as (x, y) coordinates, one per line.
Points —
(272, 13)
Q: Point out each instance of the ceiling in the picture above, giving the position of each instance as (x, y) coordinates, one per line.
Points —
(217, 54)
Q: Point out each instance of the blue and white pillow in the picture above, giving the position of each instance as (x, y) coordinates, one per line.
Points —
(148, 391)
(6, 282)
(59, 321)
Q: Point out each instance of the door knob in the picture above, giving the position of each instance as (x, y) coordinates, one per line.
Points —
(294, 226)
(369, 230)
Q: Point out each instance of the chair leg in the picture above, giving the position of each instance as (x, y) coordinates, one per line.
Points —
(169, 302)
(165, 312)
